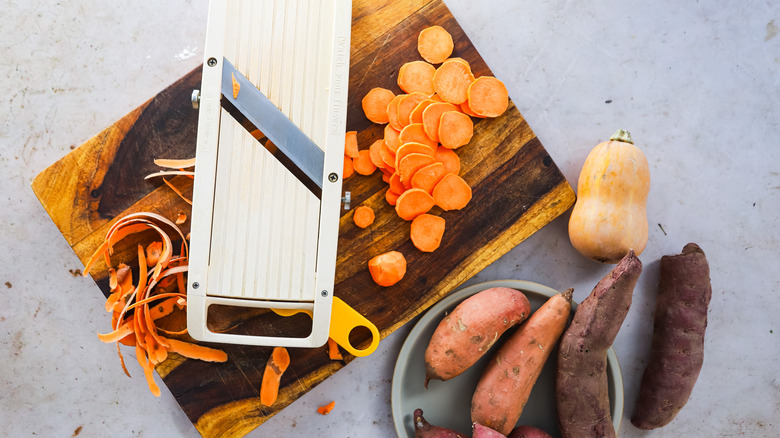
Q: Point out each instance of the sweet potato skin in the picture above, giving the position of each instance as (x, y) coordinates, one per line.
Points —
(505, 384)
(480, 431)
(581, 387)
(677, 350)
(469, 331)
(528, 432)
(424, 429)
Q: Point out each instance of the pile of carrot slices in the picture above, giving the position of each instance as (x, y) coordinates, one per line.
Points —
(160, 290)
(425, 123)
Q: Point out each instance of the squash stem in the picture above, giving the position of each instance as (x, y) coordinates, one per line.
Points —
(622, 135)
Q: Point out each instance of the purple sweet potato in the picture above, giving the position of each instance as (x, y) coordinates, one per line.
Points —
(469, 331)
(581, 386)
(480, 431)
(424, 429)
(528, 432)
(677, 350)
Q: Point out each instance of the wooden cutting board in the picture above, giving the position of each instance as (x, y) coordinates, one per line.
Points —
(517, 189)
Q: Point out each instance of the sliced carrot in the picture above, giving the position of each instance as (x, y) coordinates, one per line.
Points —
(325, 410)
(413, 148)
(427, 231)
(391, 138)
(460, 60)
(391, 197)
(435, 44)
(431, 116)
(416, 77)
(428, 176)
(333, 350)
(276, 366)
(455, 129)
(407, 104)
(363, 216)
(351, 144)
(236, 85)
(436, 98)
(388, 268)
(348, 168)
(175, 163)
(488, 96)
(413, 203)
(467, 110)
(417, 114)
(416, 133)
(177, 191)
(387, 173)
(452, 192)
(396, 186)
(392, 112)
(449, 159)
(451, 81)
(373, 154)
(363, 164)
(375, 104)
(409, 164)
(387, 155)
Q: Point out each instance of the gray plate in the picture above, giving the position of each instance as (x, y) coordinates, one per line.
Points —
(448, 404)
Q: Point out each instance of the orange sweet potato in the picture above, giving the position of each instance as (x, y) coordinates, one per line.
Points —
(468, 332)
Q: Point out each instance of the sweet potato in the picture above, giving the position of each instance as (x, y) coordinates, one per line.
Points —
(468, 332)
(505, 384)
(528, 432)
(424, 429)
(581, 387)
(677, 350)
(480, 431)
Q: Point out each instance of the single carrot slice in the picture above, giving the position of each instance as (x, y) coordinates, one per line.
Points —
(416, 77)
(431, 116)
(392, 112)
(351, 144)
(333, 350)
(427, 231)
(451, 81)
(417, 113)
(325, 410)
(467, 110)
(373, 154)
(413, 148)
(449, 159)
(348, 168)
(363, 216)
(460, 60)
(391, 138)
(276, 366)
(391, 197)
(407, 104)
(410, 164)
(388, 268)
(455, 129)
(435, 44)
(428, 176)
(363, 164)
(387, 155)
(415, 133)
(488, 96)
(396, 186)
(375, 104)
(436, 98)
(452, 192)
(413, 203)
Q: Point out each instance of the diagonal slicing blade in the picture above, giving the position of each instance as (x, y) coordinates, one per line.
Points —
(294, 149)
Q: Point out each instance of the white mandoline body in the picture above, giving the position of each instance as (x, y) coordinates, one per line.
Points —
(259, 237)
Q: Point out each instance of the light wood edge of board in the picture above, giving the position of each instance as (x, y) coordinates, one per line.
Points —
(238, 418)
(559, 199)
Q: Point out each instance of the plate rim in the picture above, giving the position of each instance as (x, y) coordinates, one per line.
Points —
(524, 286)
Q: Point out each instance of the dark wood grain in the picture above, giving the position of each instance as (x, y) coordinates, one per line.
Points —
(516, 185)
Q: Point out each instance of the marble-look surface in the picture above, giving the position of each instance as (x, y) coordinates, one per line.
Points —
(696, 83)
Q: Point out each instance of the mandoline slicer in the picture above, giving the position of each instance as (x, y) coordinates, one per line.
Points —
(269, 160)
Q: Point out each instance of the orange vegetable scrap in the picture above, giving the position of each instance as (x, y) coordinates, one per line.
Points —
(325, 410)
(349, 169)
(276, 366)
(160, 290)
(387, 269)
(363, 216)
(181, 218)
(333, 350)
(236, 86)
(435, 44)
(351, 144)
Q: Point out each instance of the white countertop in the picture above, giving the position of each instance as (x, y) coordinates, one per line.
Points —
(696, 83)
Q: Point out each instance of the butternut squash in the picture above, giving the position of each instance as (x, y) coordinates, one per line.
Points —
(610, 215)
